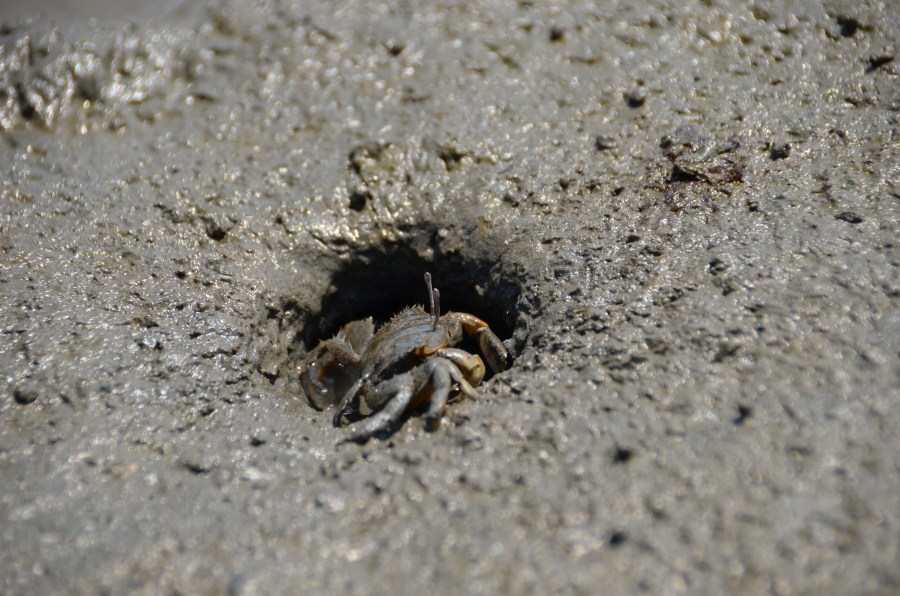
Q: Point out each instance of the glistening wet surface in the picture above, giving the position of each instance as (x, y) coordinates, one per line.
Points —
(684, 218)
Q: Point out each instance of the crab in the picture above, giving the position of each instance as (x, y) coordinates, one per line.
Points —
(412, 361)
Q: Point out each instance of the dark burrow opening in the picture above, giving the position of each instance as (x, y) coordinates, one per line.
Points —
(381, 281)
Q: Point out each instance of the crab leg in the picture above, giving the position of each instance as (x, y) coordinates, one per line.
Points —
(345, 405)
(465, 386)
(469, 365)
(389, 414)
(444, 374)
(440, 393)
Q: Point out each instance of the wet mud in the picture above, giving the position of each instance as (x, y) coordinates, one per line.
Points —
(683, 215)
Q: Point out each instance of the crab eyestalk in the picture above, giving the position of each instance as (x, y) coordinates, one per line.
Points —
(430, 291)
(437, 308)
(434, 301)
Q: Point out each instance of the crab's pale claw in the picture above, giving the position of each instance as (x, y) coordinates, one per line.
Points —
(491, 346)
(311, 371)
(493, 349)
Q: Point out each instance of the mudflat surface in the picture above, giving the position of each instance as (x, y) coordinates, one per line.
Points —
(683, 215)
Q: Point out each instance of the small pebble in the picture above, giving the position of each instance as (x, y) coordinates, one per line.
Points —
(604, 142)
(849, 217)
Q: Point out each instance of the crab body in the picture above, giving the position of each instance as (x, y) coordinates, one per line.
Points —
(409, 362)
(408, 337)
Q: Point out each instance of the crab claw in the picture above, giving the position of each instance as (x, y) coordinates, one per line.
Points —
(493, 348)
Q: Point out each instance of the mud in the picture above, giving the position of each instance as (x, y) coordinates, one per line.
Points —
(685, 215)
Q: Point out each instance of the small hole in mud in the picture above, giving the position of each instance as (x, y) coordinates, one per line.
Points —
(382, 281)
(358, 200)
(849, 26)
(622, 455)
(617, 539)
(744, 413)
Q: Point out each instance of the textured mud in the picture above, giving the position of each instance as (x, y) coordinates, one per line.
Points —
(684, 214)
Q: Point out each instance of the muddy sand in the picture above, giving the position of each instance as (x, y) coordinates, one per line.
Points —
(682, 215)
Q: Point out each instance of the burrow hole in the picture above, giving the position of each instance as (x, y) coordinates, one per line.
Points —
(383, 280)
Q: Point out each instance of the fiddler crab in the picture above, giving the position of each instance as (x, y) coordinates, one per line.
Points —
(410, 362)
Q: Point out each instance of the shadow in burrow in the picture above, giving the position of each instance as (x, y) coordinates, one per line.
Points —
(381, 280)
